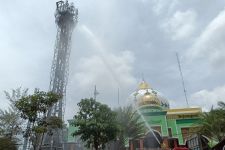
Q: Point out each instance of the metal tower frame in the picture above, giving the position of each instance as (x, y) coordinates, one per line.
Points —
(66, 17)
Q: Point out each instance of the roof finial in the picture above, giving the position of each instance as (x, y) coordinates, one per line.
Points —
(142, 77)
(143, 84)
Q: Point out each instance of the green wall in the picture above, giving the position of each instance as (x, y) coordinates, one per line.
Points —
(71, 129)
(183, 123)
(158, 121)
(155, 116)
(172, 124)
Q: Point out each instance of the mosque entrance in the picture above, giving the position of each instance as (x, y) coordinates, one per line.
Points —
(152, 140)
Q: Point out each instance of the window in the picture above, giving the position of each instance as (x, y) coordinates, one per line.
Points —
(170, 132)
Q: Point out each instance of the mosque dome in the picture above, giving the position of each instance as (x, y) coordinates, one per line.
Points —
(146, 96)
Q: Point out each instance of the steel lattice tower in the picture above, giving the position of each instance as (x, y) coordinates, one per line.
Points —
(66, 19)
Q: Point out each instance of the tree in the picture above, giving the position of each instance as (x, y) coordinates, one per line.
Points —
(15, 95)
(7, 144)
(130, 123)
(221, 105)
(34, 108)
(213, 122)
(96, 123)
(10, 121)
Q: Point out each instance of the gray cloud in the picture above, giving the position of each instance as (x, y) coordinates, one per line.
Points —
(210, 43)
(208, 98)
(181, 25)
(113, 43)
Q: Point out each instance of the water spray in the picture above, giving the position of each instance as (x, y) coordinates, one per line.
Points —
(146, 123)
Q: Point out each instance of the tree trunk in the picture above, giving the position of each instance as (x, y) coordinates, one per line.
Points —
(26, 138)
(39, 140)
(42, 137)
(34, 138)
(96, 145)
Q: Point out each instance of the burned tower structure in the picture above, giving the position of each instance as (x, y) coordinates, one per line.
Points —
(66, 16)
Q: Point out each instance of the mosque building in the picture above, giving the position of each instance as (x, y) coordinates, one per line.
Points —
(162, 121)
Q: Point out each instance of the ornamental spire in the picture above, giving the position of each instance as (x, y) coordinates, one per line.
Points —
(143, 85)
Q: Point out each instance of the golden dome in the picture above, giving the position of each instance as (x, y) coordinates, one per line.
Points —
(143, 85)
(149, 99)
(146, 96)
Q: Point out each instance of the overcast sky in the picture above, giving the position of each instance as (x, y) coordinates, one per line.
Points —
(114, 42)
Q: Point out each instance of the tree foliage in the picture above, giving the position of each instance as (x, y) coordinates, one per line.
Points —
(7, 144)
(130, 123)
(34, 108)
(37, 104)
(10, 121)
(15, 95)
(96, 123)
(213, 122)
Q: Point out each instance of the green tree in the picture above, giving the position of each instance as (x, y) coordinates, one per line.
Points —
(10, 121)
(7, 144)
(34, 108)
(15, 95)
(221, 105)
(96, 123)
(130, 123)
(213, 122)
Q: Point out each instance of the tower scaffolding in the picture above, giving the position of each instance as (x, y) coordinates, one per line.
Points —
(66, 17)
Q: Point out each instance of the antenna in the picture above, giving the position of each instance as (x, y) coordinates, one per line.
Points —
(142, 77)
(95, 93)
(182, 78)
(118, 96)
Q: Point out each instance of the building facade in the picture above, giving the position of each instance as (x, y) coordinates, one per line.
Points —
(161, 121)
